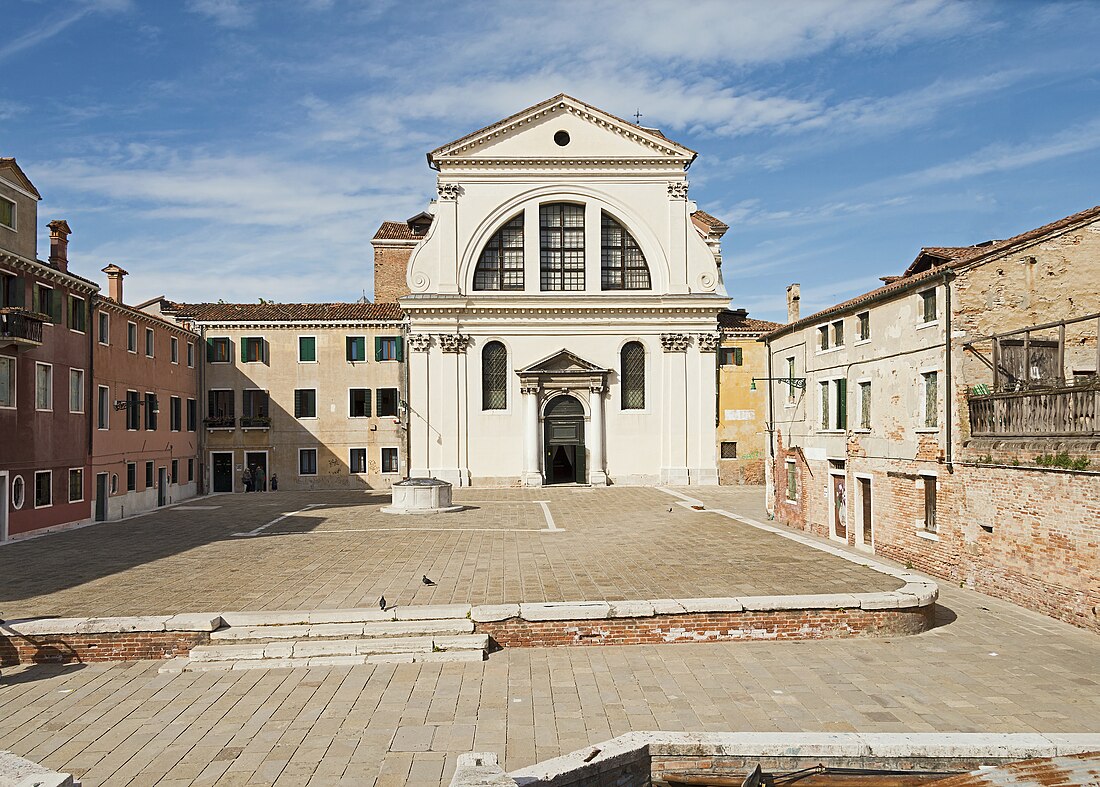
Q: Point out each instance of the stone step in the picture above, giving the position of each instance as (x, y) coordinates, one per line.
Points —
(310, 648)
(184, 664)
(396, 628)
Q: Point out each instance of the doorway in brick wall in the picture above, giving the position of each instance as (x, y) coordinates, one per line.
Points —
(865, 534)
(839, 499)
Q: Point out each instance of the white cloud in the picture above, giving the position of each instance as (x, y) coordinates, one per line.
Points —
(224, 13)
(57, 23)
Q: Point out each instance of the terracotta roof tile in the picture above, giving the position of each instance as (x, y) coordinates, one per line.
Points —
(960, 256)
(284, 312)
(737, 320)
(702, 217)
(396, 230)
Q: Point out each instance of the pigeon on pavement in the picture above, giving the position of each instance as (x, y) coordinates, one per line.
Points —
(382, 603)
(427, 581)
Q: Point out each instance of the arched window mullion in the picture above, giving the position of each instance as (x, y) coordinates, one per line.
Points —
(622, 264)
(494, 377)
(500, 265)
(561, 247)
(632, 376)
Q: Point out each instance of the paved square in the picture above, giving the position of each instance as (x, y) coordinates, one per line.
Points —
(337, 550)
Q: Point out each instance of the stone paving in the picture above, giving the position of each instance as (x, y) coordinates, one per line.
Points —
(988, 666)
(336, 550)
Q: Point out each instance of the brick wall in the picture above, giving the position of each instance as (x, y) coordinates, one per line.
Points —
(83, 648)
(741, 471)
(390, 264)
(799, 624)
(791, 512)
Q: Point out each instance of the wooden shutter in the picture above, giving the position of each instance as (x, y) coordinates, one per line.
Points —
(244, 350)
(366, 402)
(400, 348)
(841, 404)
(17, 292)
(378, 348)
(209, 350)
(738, 356)
(297, 403)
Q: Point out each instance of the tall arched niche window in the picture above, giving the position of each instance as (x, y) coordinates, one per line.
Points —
(500, 266)
(622, 263)
(561, 247)
(494, 377)
(632, 376)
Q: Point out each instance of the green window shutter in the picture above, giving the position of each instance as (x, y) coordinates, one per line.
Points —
(264, 356)
(738, 356)
(18, 292)
(366, 403)
(378, 348)
(361, 348)
(350, 342)
(400, 348)
(307, 348)
(297, 404)
(57, 308)
(841, 404)
(36, 298)
(209, 349)
(244, 350)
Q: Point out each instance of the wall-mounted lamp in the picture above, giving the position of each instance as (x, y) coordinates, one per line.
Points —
(122, 404)
(793, 382)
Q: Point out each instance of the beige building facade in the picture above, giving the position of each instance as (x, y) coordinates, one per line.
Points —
(312, 395)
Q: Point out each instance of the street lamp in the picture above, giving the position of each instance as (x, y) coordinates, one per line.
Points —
(793, 382)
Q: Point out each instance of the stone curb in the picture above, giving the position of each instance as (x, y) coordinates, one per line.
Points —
(16, 771)
(141, 623)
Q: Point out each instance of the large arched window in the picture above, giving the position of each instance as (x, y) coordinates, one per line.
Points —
(632, 376)
(622, 263)
(494, 377)
(561, 247)
(500, 266)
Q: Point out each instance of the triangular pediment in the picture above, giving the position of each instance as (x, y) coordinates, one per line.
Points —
(563, 362)
(562, 128)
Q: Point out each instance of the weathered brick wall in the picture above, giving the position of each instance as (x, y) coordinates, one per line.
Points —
(390, 264)
(798, 624)
(790, 512)
(741, 472)
(83, 648)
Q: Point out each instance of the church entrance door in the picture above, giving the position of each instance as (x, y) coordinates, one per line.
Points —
(563, 460)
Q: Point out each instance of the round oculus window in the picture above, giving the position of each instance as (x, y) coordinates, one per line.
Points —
(18, 492)
(562, 138)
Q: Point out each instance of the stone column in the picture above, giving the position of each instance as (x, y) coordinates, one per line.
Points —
(419, 416)
(450, 423)
(675, 472)
(597, 472)
(703, 448)
(532, 476)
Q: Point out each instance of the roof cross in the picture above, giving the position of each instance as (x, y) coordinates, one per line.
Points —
(638, 116)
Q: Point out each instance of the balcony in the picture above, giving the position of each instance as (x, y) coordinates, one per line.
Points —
(21, 327)
(1067, 411)
(255, 422)
(220, 422)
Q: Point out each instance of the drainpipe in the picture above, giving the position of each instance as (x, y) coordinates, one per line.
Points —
(406, 355)
(769, 465)
(948, 384)
(200, 407)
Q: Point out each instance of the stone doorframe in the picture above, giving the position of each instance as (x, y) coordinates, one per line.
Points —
(563, 373)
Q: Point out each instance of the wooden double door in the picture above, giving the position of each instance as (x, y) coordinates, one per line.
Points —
(564, 454)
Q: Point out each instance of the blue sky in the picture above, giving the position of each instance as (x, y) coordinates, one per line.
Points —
(238, 150)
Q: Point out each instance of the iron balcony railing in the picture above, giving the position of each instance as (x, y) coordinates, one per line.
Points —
(20, 324)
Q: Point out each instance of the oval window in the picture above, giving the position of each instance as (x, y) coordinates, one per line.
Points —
(18, 492)
(562, 138)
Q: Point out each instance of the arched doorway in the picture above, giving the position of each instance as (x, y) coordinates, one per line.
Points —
(563, 459)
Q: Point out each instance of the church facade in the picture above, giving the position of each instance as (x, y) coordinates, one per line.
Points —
(562, 304)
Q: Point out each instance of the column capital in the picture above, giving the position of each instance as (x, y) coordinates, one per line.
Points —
(675, 342)
(678, 189)
(529, 389)
(597, 388)
(449, 192)
(419, 342)
(708, 342)
(453, 342)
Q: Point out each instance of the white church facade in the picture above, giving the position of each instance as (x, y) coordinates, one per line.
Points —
(562, 308)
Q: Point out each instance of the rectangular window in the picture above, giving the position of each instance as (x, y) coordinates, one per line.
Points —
(7, 213)
(191, 355)
(390, 461)
(175, 471)
(190, 470)
(175, 349)
(148, 342)
(252, 350)
(356, 348)
(823, 337)
(13, 290)
(220, 409)
(824, 387)
(78, 314)
(151, 411)
(133, 410)
(7, 381)
(307, 461)
(43, 386)
(255, 408)
(388, 348)
(43, 489)
(148, 475)
(928, 305)
(76, 390)
(305, 403)
(131, 476)
(131, 337)
(790, 380)
(729, 450)
(103, 408)
(357, 461)
(217, 350)
(863, 321)
(359, 403)
(792, 480)
(730, 356)
(865, 405)
(931, 399)
(104, 328)
(929, 503)
(387, 401)
(175, 413)
(561, 247)
(76, 485)
(307, 349)
(48, 302)
(192, 415)
(838, 333)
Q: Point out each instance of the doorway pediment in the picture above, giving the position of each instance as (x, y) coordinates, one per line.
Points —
(563, 362)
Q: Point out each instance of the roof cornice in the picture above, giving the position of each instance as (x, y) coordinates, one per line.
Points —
(48, 272)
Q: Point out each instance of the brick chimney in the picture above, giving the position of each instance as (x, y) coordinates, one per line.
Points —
(114, 282)
(794, 296)
(59, 244)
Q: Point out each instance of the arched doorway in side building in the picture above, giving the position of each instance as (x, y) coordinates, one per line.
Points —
(564, 441)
